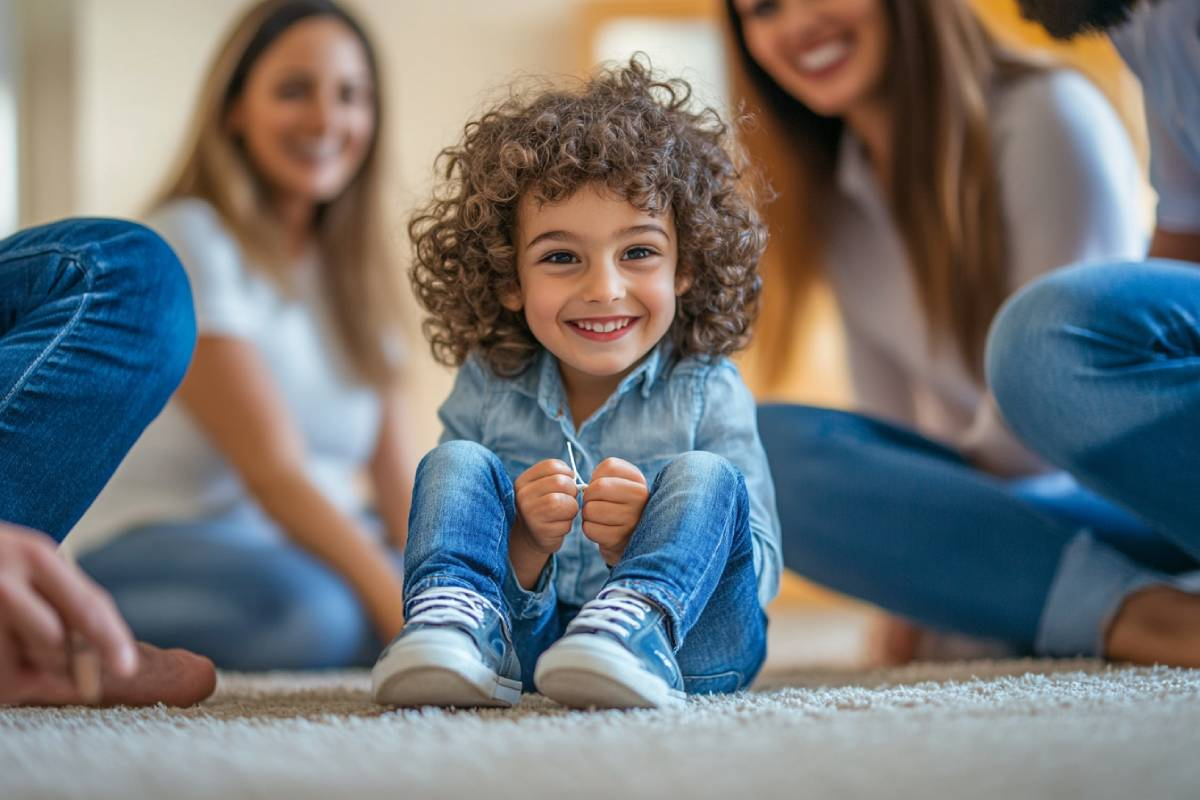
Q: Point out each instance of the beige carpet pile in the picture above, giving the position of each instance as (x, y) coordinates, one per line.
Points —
(978, 730)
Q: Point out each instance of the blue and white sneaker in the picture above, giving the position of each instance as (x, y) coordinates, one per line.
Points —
(614, 654)
(453, 651)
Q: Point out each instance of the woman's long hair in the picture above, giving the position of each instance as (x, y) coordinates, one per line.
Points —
(945, 195)
(358, 272)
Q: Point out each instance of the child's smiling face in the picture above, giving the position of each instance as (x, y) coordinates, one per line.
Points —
(598, 281)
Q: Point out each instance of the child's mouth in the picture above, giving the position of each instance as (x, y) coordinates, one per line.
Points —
(603, 329)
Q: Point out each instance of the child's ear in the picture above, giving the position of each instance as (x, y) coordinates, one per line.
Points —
(512, 300)
(683, 280)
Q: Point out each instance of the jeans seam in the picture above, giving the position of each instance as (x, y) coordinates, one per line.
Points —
(686, 604)
(68, 329)
(713, 675)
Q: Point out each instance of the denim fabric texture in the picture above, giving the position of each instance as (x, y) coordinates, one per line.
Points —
(664, 407)
(697, 554)
(235, 588)
(96, 331)
(1097, 368)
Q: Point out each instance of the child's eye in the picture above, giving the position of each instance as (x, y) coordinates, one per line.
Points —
(559, 257)
(637, 253)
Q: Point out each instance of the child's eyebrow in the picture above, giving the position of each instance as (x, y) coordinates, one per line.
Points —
(565, 236)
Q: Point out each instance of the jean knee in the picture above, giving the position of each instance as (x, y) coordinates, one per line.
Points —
(1030, 362)
(452, 460)
(700, 468)
(147, 291)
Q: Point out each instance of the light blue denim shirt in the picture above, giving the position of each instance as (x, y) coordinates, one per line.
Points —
(1161, 44)
(663, 408)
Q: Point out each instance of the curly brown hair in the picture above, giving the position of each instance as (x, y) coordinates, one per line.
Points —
(624, 129)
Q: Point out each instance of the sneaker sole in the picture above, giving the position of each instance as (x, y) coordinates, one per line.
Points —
(427, 674)
(584, 676)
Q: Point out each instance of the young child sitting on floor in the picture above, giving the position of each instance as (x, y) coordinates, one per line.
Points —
(599, 520)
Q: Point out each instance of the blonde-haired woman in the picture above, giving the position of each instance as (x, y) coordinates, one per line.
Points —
(926, 174)
(235, 527)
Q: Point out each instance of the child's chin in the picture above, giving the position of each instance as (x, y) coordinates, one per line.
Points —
(604, 367)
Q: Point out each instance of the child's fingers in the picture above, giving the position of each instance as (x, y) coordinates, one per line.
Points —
(554, 507)
(616, 490)
(540, 470)
(617, 468)
(552, 484)
(605, 535)
(602, 512)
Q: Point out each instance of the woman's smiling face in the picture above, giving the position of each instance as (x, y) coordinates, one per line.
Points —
(829, 55)
(306, 116)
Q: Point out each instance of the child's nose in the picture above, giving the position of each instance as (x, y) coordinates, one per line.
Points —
(604, 284)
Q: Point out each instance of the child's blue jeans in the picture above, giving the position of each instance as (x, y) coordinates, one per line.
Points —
(691, 554)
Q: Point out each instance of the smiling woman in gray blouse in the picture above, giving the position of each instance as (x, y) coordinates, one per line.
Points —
(926, 174)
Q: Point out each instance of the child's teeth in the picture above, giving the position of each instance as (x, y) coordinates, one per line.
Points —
(603, 327)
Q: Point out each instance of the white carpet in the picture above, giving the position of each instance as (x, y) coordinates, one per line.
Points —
(979, 730)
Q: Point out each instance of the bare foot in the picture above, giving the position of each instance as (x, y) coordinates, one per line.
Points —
(1157, 625)
(892, 641)
(174, 677)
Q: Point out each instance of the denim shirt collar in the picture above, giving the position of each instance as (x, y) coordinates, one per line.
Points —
(543, 381)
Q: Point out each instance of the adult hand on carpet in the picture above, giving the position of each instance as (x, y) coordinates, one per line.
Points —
(43, 601)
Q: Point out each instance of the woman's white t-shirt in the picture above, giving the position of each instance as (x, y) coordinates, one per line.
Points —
(1071, 192)
(173, 472)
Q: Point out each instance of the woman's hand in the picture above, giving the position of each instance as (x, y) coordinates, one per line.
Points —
(547, 502)
(612, 506)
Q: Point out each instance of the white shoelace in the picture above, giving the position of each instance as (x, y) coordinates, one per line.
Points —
(616, 611)
(579, 482)
(448, 605)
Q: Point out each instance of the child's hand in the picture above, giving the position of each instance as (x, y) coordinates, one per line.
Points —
(547, 502)
(612, 506)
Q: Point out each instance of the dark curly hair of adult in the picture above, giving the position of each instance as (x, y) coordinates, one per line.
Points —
(626, 130)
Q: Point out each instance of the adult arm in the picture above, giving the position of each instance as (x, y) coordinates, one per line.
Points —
(392, 467)
(229, 394)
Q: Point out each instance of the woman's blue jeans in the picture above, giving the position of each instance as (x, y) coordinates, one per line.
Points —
(96, 331)
(234, 588)
(691, 553)
(1096, 368)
